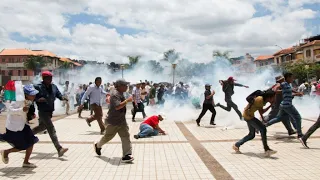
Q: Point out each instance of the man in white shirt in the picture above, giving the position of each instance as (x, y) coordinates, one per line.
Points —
(66, 92)
(137, 102)
(148, 87)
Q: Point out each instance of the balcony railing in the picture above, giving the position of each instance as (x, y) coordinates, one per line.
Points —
(15, 65)
(22, 78)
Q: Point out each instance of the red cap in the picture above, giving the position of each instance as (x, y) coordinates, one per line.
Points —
(46, 73)
(231, 79)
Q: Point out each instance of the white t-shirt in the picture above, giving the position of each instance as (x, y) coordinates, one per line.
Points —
(16, 118)
(147, 88)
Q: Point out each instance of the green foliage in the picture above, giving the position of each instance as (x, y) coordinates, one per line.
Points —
(219, 54)
(155, 66)
(301, 72)
(35, 63)
(133, 60)
(170, 56)
(66, 65)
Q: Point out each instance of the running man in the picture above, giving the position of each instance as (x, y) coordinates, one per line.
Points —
(227, 87)
(208, 104)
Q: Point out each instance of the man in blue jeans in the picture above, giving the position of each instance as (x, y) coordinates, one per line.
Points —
(150, 127)
(286, 106)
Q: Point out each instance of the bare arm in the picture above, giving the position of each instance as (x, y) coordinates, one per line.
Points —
(159, 129)
(212, 94)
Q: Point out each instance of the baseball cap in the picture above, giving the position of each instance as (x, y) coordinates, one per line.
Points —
(231, 79)
(46, 73)
(279, 78)
(138, 82)
(30, 90)
(121, 82)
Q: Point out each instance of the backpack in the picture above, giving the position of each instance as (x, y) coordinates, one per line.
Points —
(253, 95)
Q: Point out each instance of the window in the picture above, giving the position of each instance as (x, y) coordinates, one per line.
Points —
(25, 72)
(3, 72)
(277, 60)
(17, 60)
(19, 73)
(308, 53)
(3, 60)
(10, 73)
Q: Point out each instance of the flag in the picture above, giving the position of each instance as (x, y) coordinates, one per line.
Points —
(13, 91)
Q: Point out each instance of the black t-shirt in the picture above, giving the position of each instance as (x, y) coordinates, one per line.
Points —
(210, 100)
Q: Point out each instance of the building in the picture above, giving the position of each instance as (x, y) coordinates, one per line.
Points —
(12, 64)
(311, 51)
(263, 61)
(243, 64)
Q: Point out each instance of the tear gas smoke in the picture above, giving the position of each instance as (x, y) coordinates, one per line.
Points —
(195, 75)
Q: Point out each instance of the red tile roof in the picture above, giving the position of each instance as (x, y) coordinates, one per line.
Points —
(285, 51)
(26, 52)
(316, 42)
(69, 60)
(264, 57)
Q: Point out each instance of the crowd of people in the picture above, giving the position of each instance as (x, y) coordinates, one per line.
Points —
(118, 94)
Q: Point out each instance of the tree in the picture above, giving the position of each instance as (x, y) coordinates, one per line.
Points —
(170, 56)
(155, 66)
(219, 54)
(301, 72)
(133, 60)
(35, 63)
(66, 65)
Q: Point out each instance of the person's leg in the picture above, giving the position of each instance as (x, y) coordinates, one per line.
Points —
(110, 132)
(41, 127)
(28, 154)
(213, 111)
(125, 140)
(95, 109)
(281, 114)
(263, 131)
(67, 107)
(248, 137)
(286, 122)
(46, 120)
(145, 131)
(134, 110)
(295, 115)
(141, 108)
(203, 112)
(228, 107)
(312, 129)
(231, 104)
(99, 114)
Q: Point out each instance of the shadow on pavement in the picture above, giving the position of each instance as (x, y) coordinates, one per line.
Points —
(16, 172)
(115, 161)
(92, 133)
(259, 155)
(39, 155)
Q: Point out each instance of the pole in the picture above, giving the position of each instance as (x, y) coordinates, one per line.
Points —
(174, 69)
(122, 73)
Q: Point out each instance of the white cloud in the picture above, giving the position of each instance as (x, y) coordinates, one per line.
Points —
(194, 28)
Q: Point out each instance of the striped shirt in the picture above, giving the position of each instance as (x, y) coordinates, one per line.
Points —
(137, 93)
(286, 94)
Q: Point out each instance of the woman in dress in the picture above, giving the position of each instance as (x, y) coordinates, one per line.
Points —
(18, 133)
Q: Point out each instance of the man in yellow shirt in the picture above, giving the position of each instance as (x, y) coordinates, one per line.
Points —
(253, 123)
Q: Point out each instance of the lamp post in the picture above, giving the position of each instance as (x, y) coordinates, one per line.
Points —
(174, 69)
(122, 68)
(307, 68)
(279, 47)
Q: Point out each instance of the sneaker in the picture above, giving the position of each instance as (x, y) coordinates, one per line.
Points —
(292, 132)
(133, 120)
(236, 149)
(88, 122)
(62, 151)
(218, 104)
(269, 152)
(303, 142)
(213, 124)
(128, 158)
(4, 159)
(198, 123)
(28, 165)
(98, 150)
(136, 136)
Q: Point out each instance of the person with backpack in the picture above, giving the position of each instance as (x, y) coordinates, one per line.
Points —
(227, 87)
(208, 104)
(276, 107)
(286, 106)
(254, 124)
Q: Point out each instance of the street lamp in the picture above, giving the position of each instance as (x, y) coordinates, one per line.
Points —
(307, 68)
(279, 47)
(122, 68)
(174, 69)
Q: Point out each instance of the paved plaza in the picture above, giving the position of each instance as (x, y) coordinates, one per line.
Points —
(187, 152)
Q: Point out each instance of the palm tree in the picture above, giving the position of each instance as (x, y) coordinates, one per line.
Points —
(35, 63)
(170, 56)
(133, 60)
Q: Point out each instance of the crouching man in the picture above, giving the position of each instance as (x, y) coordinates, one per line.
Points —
(150, 127)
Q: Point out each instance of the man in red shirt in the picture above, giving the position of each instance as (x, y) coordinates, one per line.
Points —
(150, 127)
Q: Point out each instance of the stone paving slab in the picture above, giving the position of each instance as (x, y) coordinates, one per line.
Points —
(207, 132)
(291, 162)
(152, 161)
